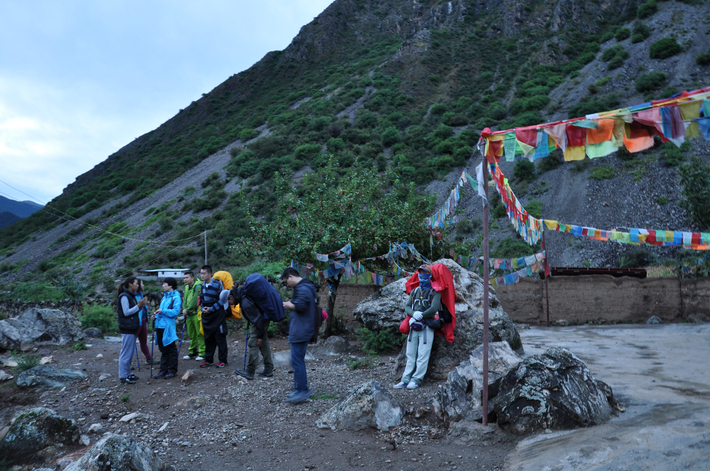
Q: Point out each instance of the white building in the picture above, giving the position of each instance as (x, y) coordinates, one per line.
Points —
(162, 273)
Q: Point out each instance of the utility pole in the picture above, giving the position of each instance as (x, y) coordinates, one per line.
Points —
(205, 247)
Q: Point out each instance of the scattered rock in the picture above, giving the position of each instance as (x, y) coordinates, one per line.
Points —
(134, 416)
(47, 377)
(554, 390)
(460, 396)
(193, 402)
(654, 320)
(333, 345)
(85, 440)
(105, 376)
(189, 377)
(94, 333)
(96, 428)
(471, 432)
(369, 405)
(100, 355)
(114, 453)
(46, 360)
(36, 327)
(163, 427)
(35, 434)
(283, 358)
(5, 376)
(9, 363)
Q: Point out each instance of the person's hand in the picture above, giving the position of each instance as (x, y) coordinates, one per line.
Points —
(417, 315)
(412, 320)
(289, 305)
(141, 302)
(158, 311)
(258, 342)
(184, 312)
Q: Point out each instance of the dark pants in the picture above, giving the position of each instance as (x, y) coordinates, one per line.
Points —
(168, 354)
(298, 362)
(218, 338)
(143, 338)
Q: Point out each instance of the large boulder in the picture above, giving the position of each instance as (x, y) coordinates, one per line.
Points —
(117, 453)
(332, 346)
(36, 327)
(554, 391)
(369, 405)
(47, 377)
(384, 309)
(37, 435)
(460, 396)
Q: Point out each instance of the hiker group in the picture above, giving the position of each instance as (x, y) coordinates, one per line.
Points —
(210, 301)
(206, 305)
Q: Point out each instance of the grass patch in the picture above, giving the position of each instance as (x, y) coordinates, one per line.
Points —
(361, 363)
(379, 342)
(80, 345)
(25, 362)
(603, 172)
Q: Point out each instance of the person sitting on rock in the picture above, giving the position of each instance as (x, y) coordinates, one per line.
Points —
(165, 332)
(423, 303)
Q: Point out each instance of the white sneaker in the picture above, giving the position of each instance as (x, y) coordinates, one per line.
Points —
(186, 357)
(412, 385)
(199, 358)
(400, 385)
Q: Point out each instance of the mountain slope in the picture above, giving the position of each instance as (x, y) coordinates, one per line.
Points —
(21, 209)
(385, 83)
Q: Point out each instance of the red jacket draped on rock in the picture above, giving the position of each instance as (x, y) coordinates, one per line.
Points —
(443, 282)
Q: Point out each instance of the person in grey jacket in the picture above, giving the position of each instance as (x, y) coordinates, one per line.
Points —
(301, 329)
(128, 310)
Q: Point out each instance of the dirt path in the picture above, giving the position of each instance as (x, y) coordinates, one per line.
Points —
(221, 421)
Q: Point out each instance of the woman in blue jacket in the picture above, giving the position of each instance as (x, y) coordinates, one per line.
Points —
(165, 334)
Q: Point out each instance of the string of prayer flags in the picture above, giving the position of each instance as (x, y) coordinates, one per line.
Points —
(516, 276)
(439, 218)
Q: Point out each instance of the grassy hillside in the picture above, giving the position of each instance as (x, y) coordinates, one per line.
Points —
(371, 82)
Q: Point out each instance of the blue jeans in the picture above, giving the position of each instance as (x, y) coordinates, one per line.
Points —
(298, 362)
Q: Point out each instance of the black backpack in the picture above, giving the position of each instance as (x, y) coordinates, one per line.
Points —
(317, 319)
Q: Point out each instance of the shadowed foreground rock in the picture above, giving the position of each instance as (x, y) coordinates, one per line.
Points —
(369, 405)
(36, 327)
(37, 435)
(47, 377)
(117, 453)
(554, 391)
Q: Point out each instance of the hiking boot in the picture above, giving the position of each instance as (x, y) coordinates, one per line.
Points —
(266, 374)
(221, 365)
(188, 357)
(126, 381)
(148, 361)
(244, 374)
(132, 376)
(199, 358)
(169, 375)
(412, 385)
(400, 385)
(299, 397)
(206, 364)
(159, 375)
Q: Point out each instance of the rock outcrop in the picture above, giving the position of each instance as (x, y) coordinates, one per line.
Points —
(47, 377)
(36, 327)
(37, 435)
(554, 391)
(369, 405)
(117, 453)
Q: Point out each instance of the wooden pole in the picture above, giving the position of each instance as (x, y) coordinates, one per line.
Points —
(205, 247)
(484, 392)
(547, 270)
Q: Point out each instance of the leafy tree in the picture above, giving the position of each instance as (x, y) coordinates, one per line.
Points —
(362, 207)
(695, 178)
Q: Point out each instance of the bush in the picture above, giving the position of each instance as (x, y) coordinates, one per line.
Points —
(703, 59)
(248, 134)
(549, 163)
(101, 317)
(641, 31)
(25, 362)
(379, 342)
(647, 9)
(695, 179)
(534, 209)
(509, 248)
(664, 48)
(390, 136)
(622, 33)
(603, 172)
(671, 155)
(438, 109)
(524, 170)
(651, 81)
(33, 292)
(307, 152)
(638, 258)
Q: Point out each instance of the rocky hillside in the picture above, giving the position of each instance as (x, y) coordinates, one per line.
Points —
(382, 83)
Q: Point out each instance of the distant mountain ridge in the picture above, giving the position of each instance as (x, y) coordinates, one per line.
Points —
(21, 209)
(8, 219)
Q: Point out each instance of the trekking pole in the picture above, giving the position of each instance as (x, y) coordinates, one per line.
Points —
(152, 346)
(137, 360)
(184, 323)
(246, 344)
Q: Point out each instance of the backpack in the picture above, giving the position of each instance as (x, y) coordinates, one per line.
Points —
(317, 319)
(264, 297)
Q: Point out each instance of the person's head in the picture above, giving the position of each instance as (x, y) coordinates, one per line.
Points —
(188, 278)
(206, 273)
(424, 273)
(141, 287)
(169, 284)
(131, 284)
(290, 277)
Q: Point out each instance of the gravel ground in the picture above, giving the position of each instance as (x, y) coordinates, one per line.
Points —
(222, 420)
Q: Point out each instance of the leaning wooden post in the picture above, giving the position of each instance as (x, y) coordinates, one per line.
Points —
(484, 392)
(547, 274)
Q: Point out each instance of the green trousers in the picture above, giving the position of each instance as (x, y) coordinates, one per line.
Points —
(197, 340)
(254, 350)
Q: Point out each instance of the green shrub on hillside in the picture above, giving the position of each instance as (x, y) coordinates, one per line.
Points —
(703, 59)
(647, 9)
(101, 317)
(534, 209)
(695, 179)
(510, 248)
(615, 56)
(524, 170)
(32, 292)
(641, 31)
(671, 155)
(664, 48)
(603, 172)
(650, 81)
(622, 33)
(380, 342)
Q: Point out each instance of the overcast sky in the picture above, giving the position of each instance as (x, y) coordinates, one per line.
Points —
(81, 79)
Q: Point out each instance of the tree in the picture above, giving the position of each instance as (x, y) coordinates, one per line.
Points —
(695, 178)
(333, 207)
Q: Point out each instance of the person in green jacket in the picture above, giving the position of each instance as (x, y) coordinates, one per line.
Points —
(197, 340)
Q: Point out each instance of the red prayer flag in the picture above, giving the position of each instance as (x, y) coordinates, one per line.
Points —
(576, 136)
(527, 135)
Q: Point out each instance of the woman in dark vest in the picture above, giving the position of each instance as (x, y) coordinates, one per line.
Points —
(128, 323)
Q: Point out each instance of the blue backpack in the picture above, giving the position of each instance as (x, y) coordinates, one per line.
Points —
(264, 297)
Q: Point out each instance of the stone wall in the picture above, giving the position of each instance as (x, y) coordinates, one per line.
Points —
(582, 299)
(349, 295)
